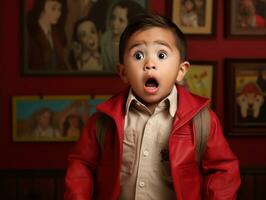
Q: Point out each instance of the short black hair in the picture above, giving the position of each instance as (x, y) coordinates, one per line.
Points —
(146, 21)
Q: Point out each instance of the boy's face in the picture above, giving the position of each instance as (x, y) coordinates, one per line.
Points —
(152, 64)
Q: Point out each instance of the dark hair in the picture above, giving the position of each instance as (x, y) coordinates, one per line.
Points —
(66, 124)
(77, 24)
(133, 8)
(143, 22)
(35, 12)
(39, 113)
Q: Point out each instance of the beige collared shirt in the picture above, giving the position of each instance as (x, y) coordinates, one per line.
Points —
(145, 170)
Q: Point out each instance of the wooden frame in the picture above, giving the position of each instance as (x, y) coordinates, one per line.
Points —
(196, 22)
(74, 40)
(51, 118)
(245, 96)
(246, 19)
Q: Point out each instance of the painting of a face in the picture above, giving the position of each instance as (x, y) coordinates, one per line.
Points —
(52, 11)
(119, 20)
(44, 119)
(87, 35)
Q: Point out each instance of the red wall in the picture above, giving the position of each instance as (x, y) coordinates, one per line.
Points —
(250, 150)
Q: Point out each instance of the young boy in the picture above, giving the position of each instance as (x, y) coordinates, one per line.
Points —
(149, 153)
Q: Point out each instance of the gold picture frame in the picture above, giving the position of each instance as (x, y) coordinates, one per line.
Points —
(194, 17)
(51, 118)
(245, 19)
(56, 44)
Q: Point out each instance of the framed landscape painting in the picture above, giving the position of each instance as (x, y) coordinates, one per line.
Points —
(51, 118)
(74, 37)
(194, 17)
(245, 96)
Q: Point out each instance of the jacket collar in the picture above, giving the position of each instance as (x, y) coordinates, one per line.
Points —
(188, 105)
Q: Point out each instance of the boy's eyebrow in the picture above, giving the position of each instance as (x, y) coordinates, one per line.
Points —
(161, 42)
(139, 43)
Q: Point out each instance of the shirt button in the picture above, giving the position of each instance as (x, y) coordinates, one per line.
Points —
(145, 153)
(141, 184)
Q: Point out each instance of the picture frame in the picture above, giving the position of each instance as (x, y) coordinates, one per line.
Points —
(200, 78)
(51, 118)
(194, 17)
(77, 40)
(245, 19)
(245, 97)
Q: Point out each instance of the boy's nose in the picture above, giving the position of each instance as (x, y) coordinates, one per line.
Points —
(149, 65)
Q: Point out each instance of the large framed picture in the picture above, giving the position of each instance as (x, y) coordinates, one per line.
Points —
(73, 37)
(200, 79)
(245, 96)
(194, 17)
(246, 18)
(51, 118)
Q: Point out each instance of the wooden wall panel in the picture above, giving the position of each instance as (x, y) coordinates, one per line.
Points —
(49, 184)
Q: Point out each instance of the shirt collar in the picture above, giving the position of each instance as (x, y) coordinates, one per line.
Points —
(171, 100)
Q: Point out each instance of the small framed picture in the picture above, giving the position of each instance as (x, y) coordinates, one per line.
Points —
(199, 79)
(246, 18)
(194, 17)
(74, 37)
(245, 96)
(51, 118)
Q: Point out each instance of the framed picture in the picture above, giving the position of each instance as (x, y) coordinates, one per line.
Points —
(74, 37)
(246, 18)
(245, 96)
(194, 17)
(199, 79)
(51, 118)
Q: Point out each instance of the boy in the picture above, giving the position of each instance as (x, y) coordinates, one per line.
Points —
(150, 151)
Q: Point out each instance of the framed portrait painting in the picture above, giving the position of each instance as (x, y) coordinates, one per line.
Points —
(74, 37)
(246, 18)
(245, 96)
(200, 79)
(194, 17)
(51, 118)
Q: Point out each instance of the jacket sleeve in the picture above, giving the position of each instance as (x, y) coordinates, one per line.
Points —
(221, 177)
(83, 159)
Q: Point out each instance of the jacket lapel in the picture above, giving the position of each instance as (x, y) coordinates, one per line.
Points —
(188, 106)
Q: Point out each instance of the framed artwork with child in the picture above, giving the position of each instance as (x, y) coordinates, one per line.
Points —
(51, 118)
(246, 18)
(245, 96)
(194, 17)
(72, 37)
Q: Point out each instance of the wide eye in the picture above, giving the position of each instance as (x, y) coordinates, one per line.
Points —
(138, 55)
(162, 55)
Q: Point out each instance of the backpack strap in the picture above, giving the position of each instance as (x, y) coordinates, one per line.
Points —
(103, 123)
(202, 130)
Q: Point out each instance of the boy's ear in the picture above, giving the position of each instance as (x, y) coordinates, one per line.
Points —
(183, 68)
(122, 72)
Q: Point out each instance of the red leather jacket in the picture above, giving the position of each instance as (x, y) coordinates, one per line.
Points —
(95, 175)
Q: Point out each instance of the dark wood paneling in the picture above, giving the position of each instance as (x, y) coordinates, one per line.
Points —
(32, 184)
(253, 184)
(49, 184)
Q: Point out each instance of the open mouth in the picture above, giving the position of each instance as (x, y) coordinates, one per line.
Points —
(151, 83)
(151, 86)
